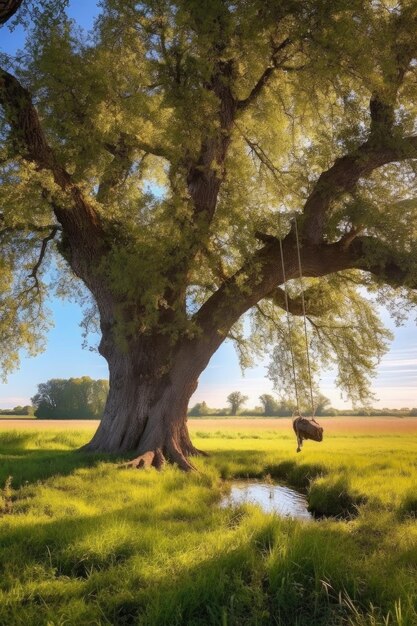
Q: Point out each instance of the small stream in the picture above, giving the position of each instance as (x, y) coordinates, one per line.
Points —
(271, 498)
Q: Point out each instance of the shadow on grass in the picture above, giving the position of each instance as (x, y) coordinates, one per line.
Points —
(232, 583)
(30, 466)
(26, 463)
(273, 575)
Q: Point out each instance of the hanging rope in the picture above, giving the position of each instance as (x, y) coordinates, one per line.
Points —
(304, 428)
(284, 278)
(288, 316)
(310, 379)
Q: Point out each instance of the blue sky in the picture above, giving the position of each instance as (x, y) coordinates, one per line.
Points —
(394, 386)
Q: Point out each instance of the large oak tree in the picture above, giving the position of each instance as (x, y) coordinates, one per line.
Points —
(165, 156)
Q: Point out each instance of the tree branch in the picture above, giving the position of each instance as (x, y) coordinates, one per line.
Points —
(117, 170)
(265, 76)
(350, 236)
(382, 145)
(80, 221)
(138, 144)
(259, 277)
(388, 265)
(45, 241)
(262, 156)
(8, 8)
(25, 226)
(344, 174)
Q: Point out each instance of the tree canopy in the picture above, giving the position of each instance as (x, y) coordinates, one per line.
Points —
(164, 156)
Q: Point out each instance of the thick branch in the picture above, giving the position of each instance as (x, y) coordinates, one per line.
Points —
(259, 277)
(392, 266)
(80, 221)
(382, 117)
(31, 141)
(383, 145)
(8, 8)
(344, 175)
(205, 174)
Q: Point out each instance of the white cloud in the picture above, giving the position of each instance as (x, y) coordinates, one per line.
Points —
(397, 362)
(396, 396)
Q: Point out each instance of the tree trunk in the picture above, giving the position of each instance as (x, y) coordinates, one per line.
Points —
(146, 412)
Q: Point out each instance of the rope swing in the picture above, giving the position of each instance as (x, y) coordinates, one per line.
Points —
(304, 427)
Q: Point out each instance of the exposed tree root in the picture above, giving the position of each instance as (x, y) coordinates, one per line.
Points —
(192, 451)
(142, 461)
(186, 446)
(158, 458)
(176, 456)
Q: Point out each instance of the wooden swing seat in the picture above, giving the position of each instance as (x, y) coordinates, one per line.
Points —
(306, 428)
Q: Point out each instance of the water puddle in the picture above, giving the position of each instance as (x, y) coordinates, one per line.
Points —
(271, 499)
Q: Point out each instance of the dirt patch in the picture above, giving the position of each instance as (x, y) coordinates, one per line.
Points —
(35, 424)
(359, 425)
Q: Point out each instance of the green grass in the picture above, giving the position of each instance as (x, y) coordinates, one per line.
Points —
(83, 542)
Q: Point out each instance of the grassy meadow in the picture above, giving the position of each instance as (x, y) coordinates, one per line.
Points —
(84, 542)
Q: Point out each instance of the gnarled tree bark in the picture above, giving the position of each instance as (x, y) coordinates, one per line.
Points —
(146, 409)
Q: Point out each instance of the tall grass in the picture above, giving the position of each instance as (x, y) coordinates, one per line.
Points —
(83, 542)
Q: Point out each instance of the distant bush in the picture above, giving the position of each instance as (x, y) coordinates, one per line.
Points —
(199, 409)
(73, 398)
(18, 410)
(236, 400)
(257, 411)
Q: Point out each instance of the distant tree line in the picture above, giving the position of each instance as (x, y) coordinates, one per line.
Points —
(282, 407)
(73, 398)
(372, 412)
(18, 410)
(270, 407)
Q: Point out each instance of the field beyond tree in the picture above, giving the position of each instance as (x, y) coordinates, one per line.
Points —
(158, 550)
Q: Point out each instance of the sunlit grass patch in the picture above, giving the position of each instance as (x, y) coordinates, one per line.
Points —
(84, 542)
